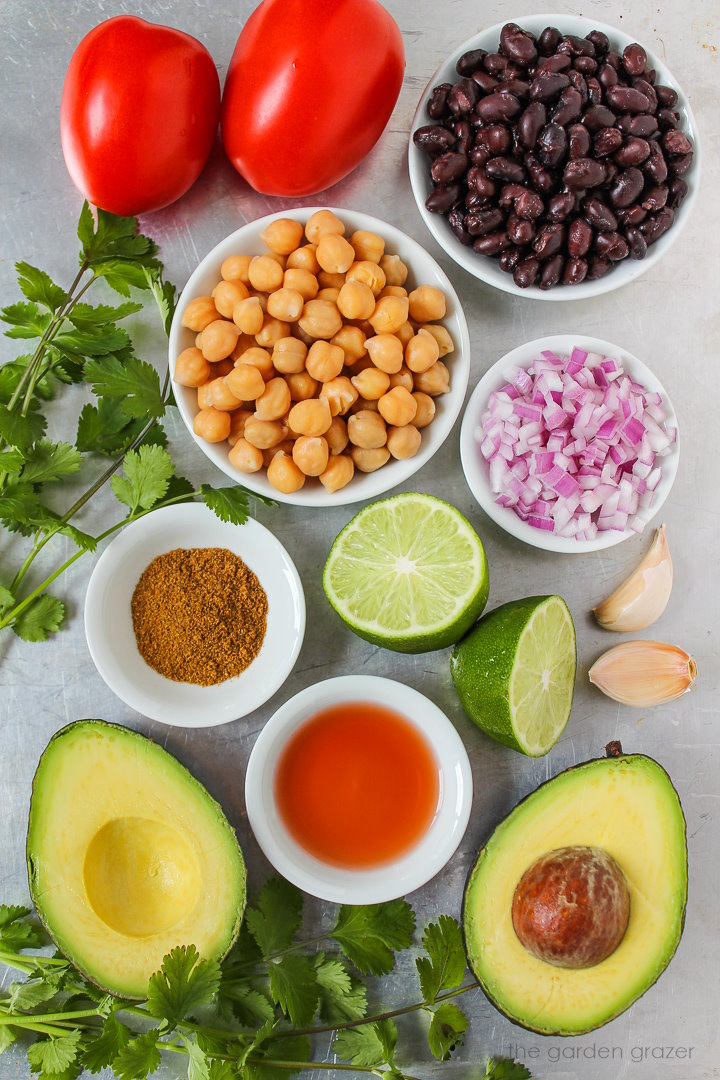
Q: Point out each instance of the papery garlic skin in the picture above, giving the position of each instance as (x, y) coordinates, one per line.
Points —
(641, 599)
(644, 673)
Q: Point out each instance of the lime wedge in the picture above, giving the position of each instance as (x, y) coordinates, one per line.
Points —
(408, 573)
(515, 673)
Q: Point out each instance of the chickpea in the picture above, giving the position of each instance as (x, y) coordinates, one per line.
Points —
(394, 268)
(284, 474)
(403, 442)
(284, 447)
(427, 304)
(434, 381)
(245, 382)
(336, 435)
(221, 397)
(283, 235)
(421, 351)
(238, 419)
(288, 355)
(265, 273)
(386, 352)
(302, 386)
(227, 294)
(339, 472)
(235, 268)
(301, 281)
(310, 417)
(398, 406)
(355, 300)
(334, 253)
(405, 333)
(425, 409)
(248, 315)
(326, 280)
(272, 330)
(274, 401)
(367, 430)
(324, 361)
(276, 257)
(212, 425)
(340, 394)
(320, 319)
(403, 377)
(245, 457)
(368, 246)
(393, 290)
(303, 258)
(367, 273)
(363, 404)
(369, 460)
(285, 304)
(203, 391)
(260, 359)
(442, 336)
(365, 327)
(330, 294)
(199, 313)
(244, 342)
(371, 383)
(389, 314)
(198, 341)
(310, 454)
(191, 368)
(264, 433)
(322, 222)
(219, 339)
(352, 342)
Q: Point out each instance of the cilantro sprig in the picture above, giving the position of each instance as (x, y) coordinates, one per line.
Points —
(78, 342)
(241, 1020)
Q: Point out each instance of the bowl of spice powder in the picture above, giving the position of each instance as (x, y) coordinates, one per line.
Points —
(198, 633)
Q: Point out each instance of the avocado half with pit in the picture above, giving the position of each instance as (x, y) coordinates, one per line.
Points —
(622, 812)
(129, 856)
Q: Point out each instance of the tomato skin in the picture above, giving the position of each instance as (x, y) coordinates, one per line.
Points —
(309, 91)
(139, 114)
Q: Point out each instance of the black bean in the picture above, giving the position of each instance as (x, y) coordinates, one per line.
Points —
(607, 141)
(568, 107)
(667, 97)
(633, 152)
(504, 168)
(443, 198)
(584, 173)
(463, 135)
(549, 240)
(433, 139)
(437, 105)
(648, 90)
(620, 249)
(456, 221)
(529, 205)
(542, 180)
(560, 206)
(531, 121)
(599, 214)
(470, 61)
(479, 155)
(546, 87)
(479, 181)
(599, 40)
(585, 65)
(667, 118)
(613, 59)
(680, 165)
(552, 145)
(463, 97)
(551, 272)
(511, 192)
(626, 99)
(578, 46)
(448, 167)
(595, 91)
(607, 76)
(598, 267)
(626, 187)
(549, 41)
(578, 141)
(634, 59)
(553, 64)
(510, 257)
(498, 106)
(631, 215)
(480, 222)
(495, 64)
(678, 191)
(497, 138)
(526, 272)
(656, 166)
(519, 230)
(636, 242)
(579, 237)
(596, 117)
(517, 44)
(656, 225)
(575, 271)
(518, 87)
(486, 82)
(492, 243)
(640, 126)
(654, 198)
(676, 143)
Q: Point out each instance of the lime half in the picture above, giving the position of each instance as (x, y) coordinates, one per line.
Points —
(515, 673)
(408, 573)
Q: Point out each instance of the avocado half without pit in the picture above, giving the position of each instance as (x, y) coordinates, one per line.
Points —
(129, 856)
(576, 903)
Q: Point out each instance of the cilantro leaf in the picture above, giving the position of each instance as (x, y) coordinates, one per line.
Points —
(183, 983)
(103, 1050)
(25, 319)
(444, 966)
(147, 474)
(21, 511)
(293, 1048)
(48, 461)
(106, 428)
(222, 1070)
(112, 236)
(341, 997)
(36, 285)
(139, 1057)
(276, 918)
(367, 1046)
(121, 275)
(134, 381)
(179, 489)
(165, 295)
(87, 315)
(24, 935)
(446, 1029)
(7, 1037)
(11, 461)
(22, 431)
(10, 913)
(91, 340)
(44, 616)
(369, 935)
(55, 1054)
(229, 503)
(294, 987)
(506, 1069)
(198, 1062)
(26, 995)
(7, 600)
(249, 1006)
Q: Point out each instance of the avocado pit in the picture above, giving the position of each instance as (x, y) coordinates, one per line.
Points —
(571, 907)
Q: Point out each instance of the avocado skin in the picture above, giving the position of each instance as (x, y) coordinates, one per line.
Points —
(97, 722)
(611, 756)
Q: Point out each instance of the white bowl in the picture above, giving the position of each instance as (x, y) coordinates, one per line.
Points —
(338, 884)
(423, 271)
(487, 269)
(109, 629)
(476, 468)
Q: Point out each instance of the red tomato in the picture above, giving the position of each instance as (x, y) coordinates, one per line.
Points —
(139, 114)
(309, 90)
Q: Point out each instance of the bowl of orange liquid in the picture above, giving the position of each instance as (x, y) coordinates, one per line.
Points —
(358, 790)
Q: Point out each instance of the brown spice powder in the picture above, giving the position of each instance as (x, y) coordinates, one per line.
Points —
(199, 615)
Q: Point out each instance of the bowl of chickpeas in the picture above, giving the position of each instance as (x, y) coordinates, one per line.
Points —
(319, 356)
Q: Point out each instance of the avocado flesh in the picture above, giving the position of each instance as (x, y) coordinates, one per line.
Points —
(625, 805)
(129, 856)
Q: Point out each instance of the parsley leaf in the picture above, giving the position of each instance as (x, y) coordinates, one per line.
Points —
(369, 935)
(444, 966)
(25, 319)
(44, 616)
(147, 474)
(38, 286)
(276, 918)
(506, 1069)
(183, 983)
(22, 431)
(48, 461)
(229, 503)
(113, 237)
(139, 1057)
(134, 381)
(87, 315)
(55, 1054)
(294, 987)
(103, 1050)
(446, 1029)
(367, 1046)
(341, 997)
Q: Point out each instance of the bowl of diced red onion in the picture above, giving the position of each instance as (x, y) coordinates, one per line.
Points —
(570, 443)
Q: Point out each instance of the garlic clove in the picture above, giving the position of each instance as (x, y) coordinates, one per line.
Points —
(643, 596)
(644, 673)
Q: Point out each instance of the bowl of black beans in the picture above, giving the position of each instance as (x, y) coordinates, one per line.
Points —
(551, 153)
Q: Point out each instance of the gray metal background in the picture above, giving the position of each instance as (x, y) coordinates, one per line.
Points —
(670, 318)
